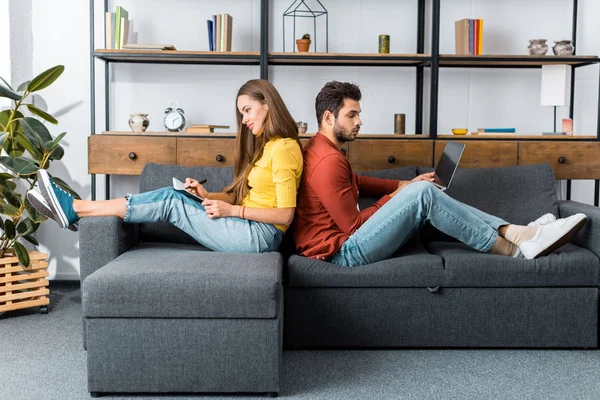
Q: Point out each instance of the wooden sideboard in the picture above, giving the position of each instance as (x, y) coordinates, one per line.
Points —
(574, 157)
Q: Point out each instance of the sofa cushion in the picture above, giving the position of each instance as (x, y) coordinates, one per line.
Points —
(402, 174)
(518, 195)
(156, 176)
(163, 280)
(569, 266)
(411, 266)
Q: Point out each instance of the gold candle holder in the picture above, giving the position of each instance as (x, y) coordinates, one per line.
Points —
(399, 124)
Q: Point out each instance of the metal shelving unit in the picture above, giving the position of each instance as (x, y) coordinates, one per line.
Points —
(420, 60)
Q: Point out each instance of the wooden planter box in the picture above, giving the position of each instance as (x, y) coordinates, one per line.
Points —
(24, 287)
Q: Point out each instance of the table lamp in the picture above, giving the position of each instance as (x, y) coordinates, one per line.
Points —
(556, 88)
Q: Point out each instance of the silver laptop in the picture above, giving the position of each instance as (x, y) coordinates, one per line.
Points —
(448, 164)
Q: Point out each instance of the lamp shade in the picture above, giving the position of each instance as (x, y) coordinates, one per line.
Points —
(556, 85)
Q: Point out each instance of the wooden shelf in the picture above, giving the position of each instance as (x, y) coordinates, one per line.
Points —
(515, 137)
(350, 59)
(512, 61)
(179, 57)
(220, 135)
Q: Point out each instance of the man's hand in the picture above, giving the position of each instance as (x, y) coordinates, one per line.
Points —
(429, 177)
(218, 208)
(194, 187)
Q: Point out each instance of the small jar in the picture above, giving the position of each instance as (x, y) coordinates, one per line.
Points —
(384, 44)
(563, 48)
(139, 122)
(537, 47)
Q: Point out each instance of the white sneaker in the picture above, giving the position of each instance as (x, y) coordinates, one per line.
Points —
(551, 236)
(543, 220)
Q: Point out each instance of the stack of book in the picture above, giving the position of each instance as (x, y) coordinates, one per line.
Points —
(495, 131)
(205, 128)
(117, 28)
(468, 35)
(219, 32)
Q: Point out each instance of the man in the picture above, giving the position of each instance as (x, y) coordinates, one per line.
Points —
(328, 226)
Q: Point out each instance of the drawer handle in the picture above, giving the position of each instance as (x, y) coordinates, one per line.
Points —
(562, 160)
(132, 155)
(391, 159)
(220, 158)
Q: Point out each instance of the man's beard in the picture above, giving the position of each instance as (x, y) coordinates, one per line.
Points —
(342, 135)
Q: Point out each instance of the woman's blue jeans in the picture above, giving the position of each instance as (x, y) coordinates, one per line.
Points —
(394, 223)
(227, 234)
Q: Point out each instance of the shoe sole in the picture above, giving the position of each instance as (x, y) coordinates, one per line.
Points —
(50, 196)
(563, 240)
(44, 209)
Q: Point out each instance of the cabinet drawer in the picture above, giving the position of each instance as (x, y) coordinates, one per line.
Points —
(568, 160)
(483, 155)
(127, 155)
(376, 154)
(205, 151)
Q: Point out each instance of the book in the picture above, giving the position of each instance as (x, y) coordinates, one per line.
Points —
(461, 36)
(109, 23)
(119, 14)
(228, 30)
(205, 128)
(214, 32)
(209, 26)
(132, 46)
(496, 130)
(218, 33)
(480, 37)
(124, 32)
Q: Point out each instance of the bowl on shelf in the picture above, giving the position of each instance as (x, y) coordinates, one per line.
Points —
(460, 131)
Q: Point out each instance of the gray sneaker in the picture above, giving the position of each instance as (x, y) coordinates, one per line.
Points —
(39, 203)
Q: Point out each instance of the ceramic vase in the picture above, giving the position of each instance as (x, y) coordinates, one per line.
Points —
(537, 47)
(139, 122)
(563, 48)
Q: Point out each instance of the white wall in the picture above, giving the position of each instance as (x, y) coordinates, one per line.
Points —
(5, 61)
(473, 98)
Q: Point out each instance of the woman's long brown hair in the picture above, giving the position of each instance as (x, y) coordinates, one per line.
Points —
(249, 148)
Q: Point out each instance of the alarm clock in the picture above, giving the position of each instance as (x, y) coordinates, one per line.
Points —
(174, 119)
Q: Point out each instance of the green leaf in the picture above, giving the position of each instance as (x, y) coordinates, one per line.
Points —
(5, 116)
(9, 228)
(62, 184)
(6, 92)
(54, 144)
(23, 86)
(41, 114)
(13, 148)
(36, 132)
(34, 214)
(1, 224)
(22, 254)
(57, 153)
(23, 142)
(27, 226)
(13, 198)
(3, 136)
(31, 240)
(9, 211)
(21, 166)
(6, 83)
(45, 79)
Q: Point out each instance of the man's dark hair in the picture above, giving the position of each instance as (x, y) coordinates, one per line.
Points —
(331, 98)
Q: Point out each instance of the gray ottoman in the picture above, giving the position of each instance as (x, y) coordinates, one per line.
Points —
(172, 318)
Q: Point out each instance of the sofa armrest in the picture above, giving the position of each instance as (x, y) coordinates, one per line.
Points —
(589, 236)
(101, 240)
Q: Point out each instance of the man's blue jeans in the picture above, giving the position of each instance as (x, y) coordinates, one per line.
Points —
(394, 223)
(226, 234)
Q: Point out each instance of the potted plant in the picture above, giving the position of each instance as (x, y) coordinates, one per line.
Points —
(304, 43)
(26, 146)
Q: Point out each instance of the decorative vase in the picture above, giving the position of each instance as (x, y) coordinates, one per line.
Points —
(24, 287)
(139, 122)
(303, 45)
(563, 48)
(537, 47)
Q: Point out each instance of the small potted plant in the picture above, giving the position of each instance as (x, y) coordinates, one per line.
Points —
(304, 43)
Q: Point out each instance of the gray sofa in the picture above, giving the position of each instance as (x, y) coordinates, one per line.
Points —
(162, 314)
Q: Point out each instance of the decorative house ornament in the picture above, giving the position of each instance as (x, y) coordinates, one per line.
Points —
(537, 47)
(139, 122)
(563, 48)
(299, 9)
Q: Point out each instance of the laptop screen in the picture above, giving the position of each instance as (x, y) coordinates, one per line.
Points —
(448, 163)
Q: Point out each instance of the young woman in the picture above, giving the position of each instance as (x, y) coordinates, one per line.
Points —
(250, 215)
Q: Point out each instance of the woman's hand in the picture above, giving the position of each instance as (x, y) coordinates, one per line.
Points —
(218, 208)
(429, 177)
(194, 187)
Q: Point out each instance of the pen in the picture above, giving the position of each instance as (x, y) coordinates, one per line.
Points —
(203, 181)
